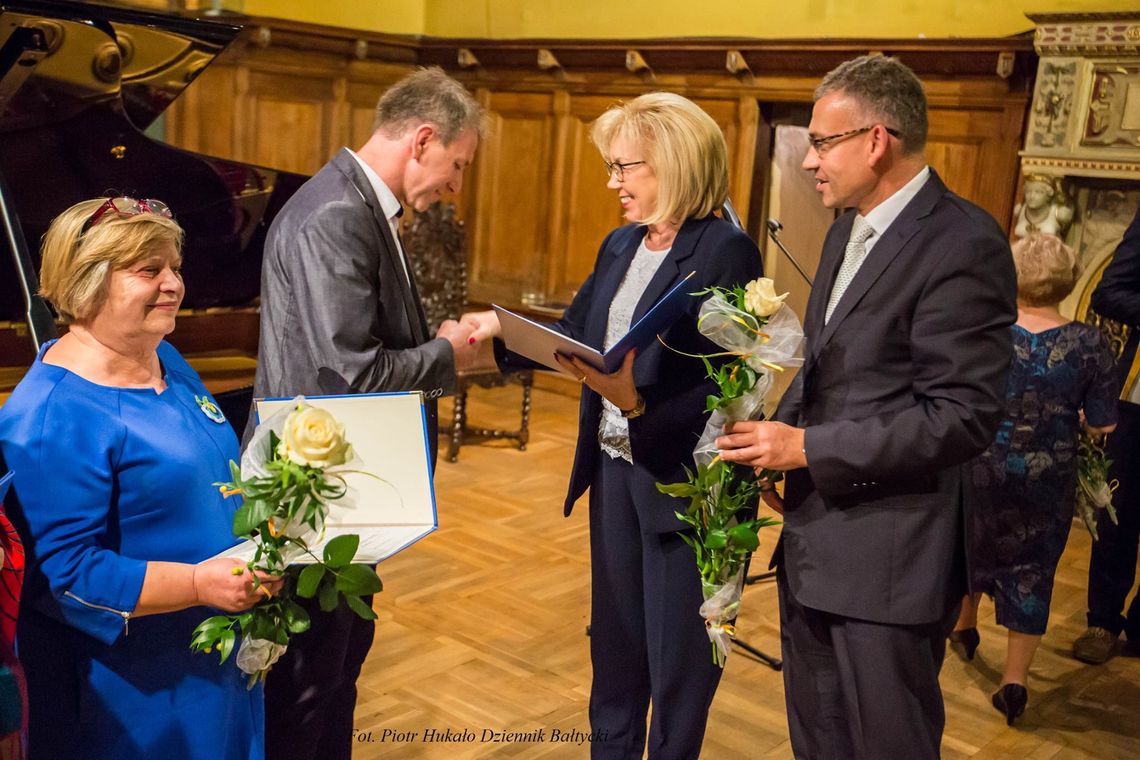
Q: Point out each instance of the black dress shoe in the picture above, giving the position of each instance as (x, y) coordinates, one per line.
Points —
(1011, 699)
(968, 639)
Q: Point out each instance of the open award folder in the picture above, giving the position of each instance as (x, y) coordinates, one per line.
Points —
(394, 509)
(538, 342)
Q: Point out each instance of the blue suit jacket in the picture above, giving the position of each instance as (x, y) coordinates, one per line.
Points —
(674, 386)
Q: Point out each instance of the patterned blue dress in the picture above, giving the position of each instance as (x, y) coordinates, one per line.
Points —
(1025, 483)
(107, 479)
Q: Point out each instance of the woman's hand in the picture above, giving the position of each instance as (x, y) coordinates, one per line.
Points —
(1094, 431)
(483, 324)
(226, 583)
(617, 388)
(768, 493)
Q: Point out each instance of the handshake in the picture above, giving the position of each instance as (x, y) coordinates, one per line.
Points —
(468, 336)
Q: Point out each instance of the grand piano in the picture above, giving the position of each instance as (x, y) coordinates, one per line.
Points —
(82, 89)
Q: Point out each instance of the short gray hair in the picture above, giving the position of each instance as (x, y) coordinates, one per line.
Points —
(888, 90)
(429, 95)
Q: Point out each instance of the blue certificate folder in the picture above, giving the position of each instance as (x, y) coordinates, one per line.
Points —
(538, 342)
(393, 499)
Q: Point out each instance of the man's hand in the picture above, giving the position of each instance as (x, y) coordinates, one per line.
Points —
(617, 388)
(773, 445)
(462, 344)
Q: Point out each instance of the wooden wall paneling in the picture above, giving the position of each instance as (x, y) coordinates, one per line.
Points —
(557, 211)
(203, 117)
(292, 119)
(971, 150)
(508, 234)
(592, 208)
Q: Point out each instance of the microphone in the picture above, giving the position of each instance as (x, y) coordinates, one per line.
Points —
(774, 228)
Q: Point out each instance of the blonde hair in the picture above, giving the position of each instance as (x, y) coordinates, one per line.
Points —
(682, 145)
(1047, 269)
(75, 264)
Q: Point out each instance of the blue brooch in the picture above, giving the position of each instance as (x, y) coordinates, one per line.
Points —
(210, 409)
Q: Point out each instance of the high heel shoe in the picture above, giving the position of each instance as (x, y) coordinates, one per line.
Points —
(968, 639)
(1011, 700)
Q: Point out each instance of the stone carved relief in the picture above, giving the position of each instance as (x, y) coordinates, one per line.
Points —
(1052, 103)
(1104, 209)
(1113, 117)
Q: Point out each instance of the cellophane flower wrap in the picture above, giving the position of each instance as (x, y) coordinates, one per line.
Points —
(762, 335)
(291, 475)
(1094, 489)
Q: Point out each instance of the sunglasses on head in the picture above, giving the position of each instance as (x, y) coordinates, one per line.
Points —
(125, 206)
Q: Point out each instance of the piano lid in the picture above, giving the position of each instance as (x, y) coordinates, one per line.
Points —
(91, 53)
(78, 84)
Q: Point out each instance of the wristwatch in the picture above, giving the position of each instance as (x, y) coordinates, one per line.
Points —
(637, 410)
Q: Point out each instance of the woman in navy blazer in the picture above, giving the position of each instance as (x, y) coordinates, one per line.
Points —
(638, 426)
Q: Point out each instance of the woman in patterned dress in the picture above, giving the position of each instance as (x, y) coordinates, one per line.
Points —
(1025, 483)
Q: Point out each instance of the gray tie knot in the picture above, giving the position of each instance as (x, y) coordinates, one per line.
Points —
(861, 231)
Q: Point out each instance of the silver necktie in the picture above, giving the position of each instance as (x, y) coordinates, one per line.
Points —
(852, 259)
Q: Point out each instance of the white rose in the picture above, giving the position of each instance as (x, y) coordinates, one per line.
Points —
(760, 297)
(256, 655)
(313, 436)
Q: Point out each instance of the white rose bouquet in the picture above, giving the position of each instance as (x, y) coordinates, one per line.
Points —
(762, 335)
(1094, 490)
(290, 475)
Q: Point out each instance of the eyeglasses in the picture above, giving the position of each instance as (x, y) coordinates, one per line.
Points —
(823, 144)
(125, 206)
(617, 169)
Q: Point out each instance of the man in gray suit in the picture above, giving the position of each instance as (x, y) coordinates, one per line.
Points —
(340, 314)
(908, 347)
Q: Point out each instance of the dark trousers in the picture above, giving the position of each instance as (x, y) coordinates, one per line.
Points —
(857, 690)
(647, 639)
(1112, 568)
(310, 693)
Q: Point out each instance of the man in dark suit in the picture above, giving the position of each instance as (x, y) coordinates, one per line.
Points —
(908, 347)
(340, 314)
(1112, 567)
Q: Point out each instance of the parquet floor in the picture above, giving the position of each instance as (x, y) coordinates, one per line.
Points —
(482, 630)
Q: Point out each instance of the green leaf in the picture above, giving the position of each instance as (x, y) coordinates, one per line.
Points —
(328, 596)
(679, 490)
(225, 644)
(340, 551)
(242, 525)
(716, 539)
(295, 617)
(235, 473)
(357, 605)
(358, 579)
(263, 625)
(745, 537)
(309, 579)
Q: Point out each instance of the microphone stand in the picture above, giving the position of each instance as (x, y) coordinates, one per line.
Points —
(774, 228)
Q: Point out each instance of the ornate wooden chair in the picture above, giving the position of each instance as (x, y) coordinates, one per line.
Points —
(437, 252)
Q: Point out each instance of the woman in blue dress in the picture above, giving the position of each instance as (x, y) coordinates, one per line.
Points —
(1025, 484)
(115, 445)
